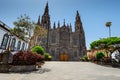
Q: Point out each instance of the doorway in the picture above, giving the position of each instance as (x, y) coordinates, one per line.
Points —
(64, 57)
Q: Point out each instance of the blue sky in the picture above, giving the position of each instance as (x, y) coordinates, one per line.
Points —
(94, 14)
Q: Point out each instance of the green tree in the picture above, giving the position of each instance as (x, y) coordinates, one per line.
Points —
(105, 42)
(23, 27)
(108, 24)
(39, 33)
(99, 55)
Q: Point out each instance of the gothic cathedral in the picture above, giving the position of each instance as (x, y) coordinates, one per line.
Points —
(61, 42)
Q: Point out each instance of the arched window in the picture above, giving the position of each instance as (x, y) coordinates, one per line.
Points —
(13, 44)
(4, 41)
(57, 53)
(53, 53)
(53, 38)
(18, 45)
(23, 45)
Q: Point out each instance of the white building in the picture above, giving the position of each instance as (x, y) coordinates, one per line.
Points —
(6, 39)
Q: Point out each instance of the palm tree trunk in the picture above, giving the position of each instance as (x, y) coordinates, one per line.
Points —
(109, 32)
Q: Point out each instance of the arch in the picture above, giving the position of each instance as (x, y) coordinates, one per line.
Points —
(54, 38)
(64, 50)
(18, 45)
(4, 41)
(23, 45)
(13, 44)
(64, 54)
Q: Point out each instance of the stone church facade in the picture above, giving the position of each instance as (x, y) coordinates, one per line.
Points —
(61, 42)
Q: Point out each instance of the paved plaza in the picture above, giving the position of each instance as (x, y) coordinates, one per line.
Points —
(67, 71)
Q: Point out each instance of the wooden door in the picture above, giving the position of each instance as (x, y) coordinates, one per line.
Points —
(61, 57)
(64, 57)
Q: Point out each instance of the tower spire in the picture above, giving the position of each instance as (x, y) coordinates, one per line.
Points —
(45, 22)
(78, 23)
(54, 27)
(70, 26)
(64, 22)
(77, 16)
(46, 12)
(58, 24)
(38, 23)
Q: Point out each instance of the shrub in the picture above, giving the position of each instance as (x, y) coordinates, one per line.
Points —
(93, 59)
(47, 56)
(106, 60)
(38, 49)
(99, 55)
(84, 58)
(26, 58)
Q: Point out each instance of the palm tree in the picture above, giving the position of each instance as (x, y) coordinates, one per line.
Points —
(108, 24)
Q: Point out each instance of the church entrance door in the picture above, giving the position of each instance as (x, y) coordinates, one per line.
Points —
(63, 57)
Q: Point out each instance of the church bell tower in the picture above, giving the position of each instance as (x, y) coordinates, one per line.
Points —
(45, 22)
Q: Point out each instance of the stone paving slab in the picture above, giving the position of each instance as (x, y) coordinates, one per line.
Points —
(67, 71)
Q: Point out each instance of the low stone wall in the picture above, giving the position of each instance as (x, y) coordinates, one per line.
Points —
(22, 68)
(4, 68)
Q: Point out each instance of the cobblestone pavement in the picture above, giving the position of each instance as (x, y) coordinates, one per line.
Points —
(67, 71)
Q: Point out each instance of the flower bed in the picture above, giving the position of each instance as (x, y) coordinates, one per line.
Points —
(25, 61)
(26, 58)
